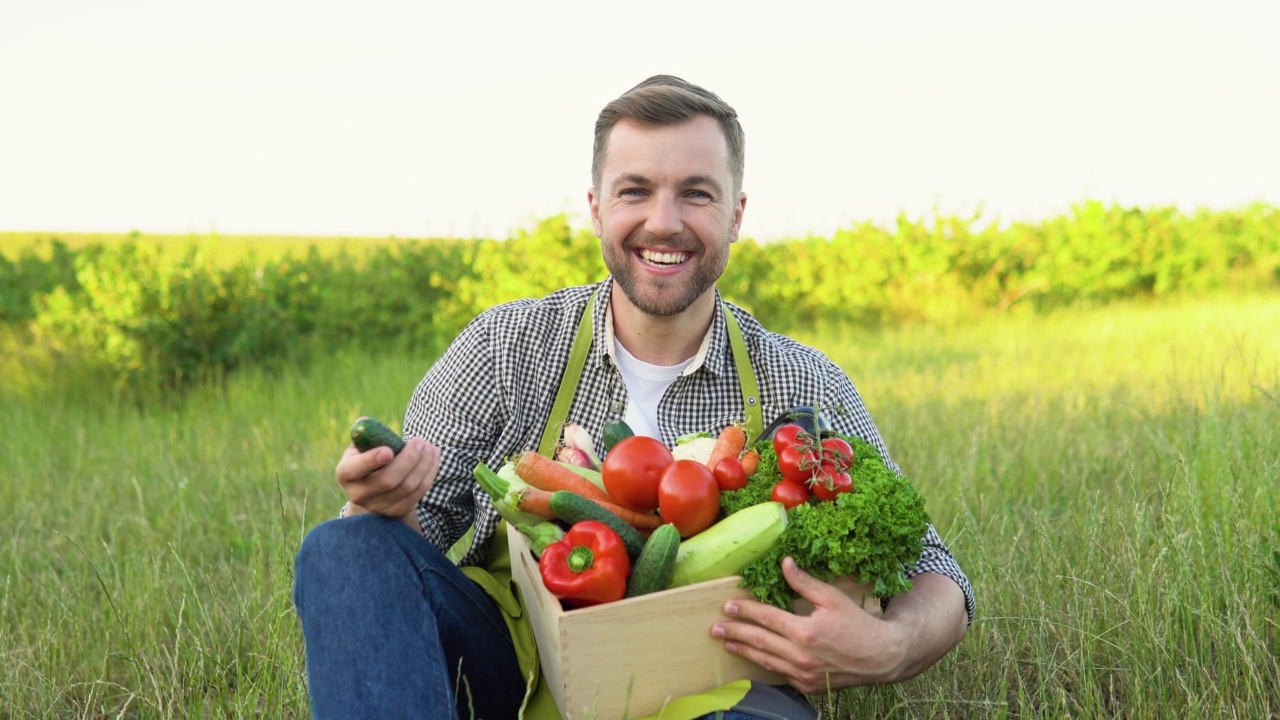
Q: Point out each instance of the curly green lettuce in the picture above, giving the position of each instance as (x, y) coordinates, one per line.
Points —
(870, 534)
(759, 485)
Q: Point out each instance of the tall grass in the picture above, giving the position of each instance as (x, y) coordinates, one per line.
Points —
(1106, 477)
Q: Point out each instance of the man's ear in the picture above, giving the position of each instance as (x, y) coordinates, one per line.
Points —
(738, 210)
(594, 203)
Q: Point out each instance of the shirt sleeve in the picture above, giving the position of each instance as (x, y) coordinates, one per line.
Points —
(455, 408)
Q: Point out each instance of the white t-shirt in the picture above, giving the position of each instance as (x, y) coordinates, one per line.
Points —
(646, 385)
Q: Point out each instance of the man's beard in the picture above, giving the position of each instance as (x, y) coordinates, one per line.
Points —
(674, 295)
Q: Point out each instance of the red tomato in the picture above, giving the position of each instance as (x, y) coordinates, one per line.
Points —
(790, 493)
(786, 437)
(729, 474)
(632, 470)
(830, 482)
(688, 497)
(796, 463)
(838, 451)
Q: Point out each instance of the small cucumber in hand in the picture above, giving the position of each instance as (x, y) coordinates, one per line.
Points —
(368, 433)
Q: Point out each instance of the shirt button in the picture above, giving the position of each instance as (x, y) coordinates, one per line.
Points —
(616, 407)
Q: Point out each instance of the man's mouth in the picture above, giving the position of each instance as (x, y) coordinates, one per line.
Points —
(664, 259)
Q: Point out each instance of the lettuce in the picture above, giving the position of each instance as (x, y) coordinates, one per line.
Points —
(871, 534)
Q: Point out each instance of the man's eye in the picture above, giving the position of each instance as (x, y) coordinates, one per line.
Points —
(631, 192)
(699, 195)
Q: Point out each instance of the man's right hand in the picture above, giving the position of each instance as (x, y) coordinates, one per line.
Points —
(382, 482)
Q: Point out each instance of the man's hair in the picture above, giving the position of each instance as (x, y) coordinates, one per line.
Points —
(665, 100)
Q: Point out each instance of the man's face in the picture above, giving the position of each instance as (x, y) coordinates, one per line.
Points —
(666, 211)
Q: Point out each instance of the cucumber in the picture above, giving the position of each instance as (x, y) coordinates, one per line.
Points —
(614, 431)
(572, 507)
(653, 570)
(368, 433)
(730, 545)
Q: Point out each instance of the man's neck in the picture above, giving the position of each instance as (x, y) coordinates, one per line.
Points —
(661, 340)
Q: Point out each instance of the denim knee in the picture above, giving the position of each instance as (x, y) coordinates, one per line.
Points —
(351, 547)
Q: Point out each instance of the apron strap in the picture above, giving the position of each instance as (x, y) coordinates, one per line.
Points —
(569, 382)
(746, 376)
(578, 359)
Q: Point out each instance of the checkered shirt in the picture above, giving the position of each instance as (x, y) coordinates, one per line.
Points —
(489, 395)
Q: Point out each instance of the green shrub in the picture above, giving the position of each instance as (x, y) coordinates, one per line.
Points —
(154, 312)
(32, 274)
(168, 319)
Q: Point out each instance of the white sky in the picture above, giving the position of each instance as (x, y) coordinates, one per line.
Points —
(431, 118)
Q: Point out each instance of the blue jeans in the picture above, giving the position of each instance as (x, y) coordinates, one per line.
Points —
(393, 629)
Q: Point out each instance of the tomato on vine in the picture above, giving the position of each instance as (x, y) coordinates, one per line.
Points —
(830, 482)
(790, 493)
(837, 451)
(788, 435)
(796, 463)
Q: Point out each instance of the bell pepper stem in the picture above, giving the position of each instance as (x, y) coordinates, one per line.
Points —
(579, 559)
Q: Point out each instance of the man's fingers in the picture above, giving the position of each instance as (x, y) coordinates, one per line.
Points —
(810, 588)
(762, 657)
(356, 466)
(761, 646)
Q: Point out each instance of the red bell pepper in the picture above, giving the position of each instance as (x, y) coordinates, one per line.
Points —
(588, 567)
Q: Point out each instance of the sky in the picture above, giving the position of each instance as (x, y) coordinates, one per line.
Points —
(425, 118)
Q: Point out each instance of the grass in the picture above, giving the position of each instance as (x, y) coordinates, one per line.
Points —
(1106, 477)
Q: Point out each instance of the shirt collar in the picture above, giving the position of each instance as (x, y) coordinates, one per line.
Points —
(712, 353)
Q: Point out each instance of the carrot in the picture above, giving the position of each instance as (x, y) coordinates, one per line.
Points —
(750, 461)
(638, 520)
(535, 502)
(546, 474)
(728, 445)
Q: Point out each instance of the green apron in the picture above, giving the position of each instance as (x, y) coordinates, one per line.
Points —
(495, 577)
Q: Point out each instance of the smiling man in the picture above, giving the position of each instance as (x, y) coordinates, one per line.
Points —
(394, 629)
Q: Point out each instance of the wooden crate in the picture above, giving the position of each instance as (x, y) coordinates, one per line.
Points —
(627, 658)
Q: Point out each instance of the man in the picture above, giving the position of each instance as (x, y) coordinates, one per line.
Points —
(393, 629)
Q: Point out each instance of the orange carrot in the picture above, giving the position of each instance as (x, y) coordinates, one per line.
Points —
(546, 474)
(535, 502)
(638, 520)
(750, 461)
(729, 445)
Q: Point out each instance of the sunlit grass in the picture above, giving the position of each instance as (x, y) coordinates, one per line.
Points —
(1108, 480)
(1106, 477)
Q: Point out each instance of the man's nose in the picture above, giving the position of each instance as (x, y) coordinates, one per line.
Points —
(664, 216)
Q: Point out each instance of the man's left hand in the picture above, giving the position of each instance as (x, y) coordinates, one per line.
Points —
(838, 645)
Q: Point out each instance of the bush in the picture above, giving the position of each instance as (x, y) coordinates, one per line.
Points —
(160, 315)
(32, 275)
(166, 319)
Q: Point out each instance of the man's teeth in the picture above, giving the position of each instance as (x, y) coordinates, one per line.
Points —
(658, 258)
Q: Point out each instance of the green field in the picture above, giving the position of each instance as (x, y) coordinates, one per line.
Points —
(1107, 477)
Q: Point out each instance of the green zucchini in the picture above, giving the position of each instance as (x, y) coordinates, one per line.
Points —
(504, 488)
(572, 508)
(613, 432)
(730, 545)
(368, 433)
(541, 534)
(657, 562)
